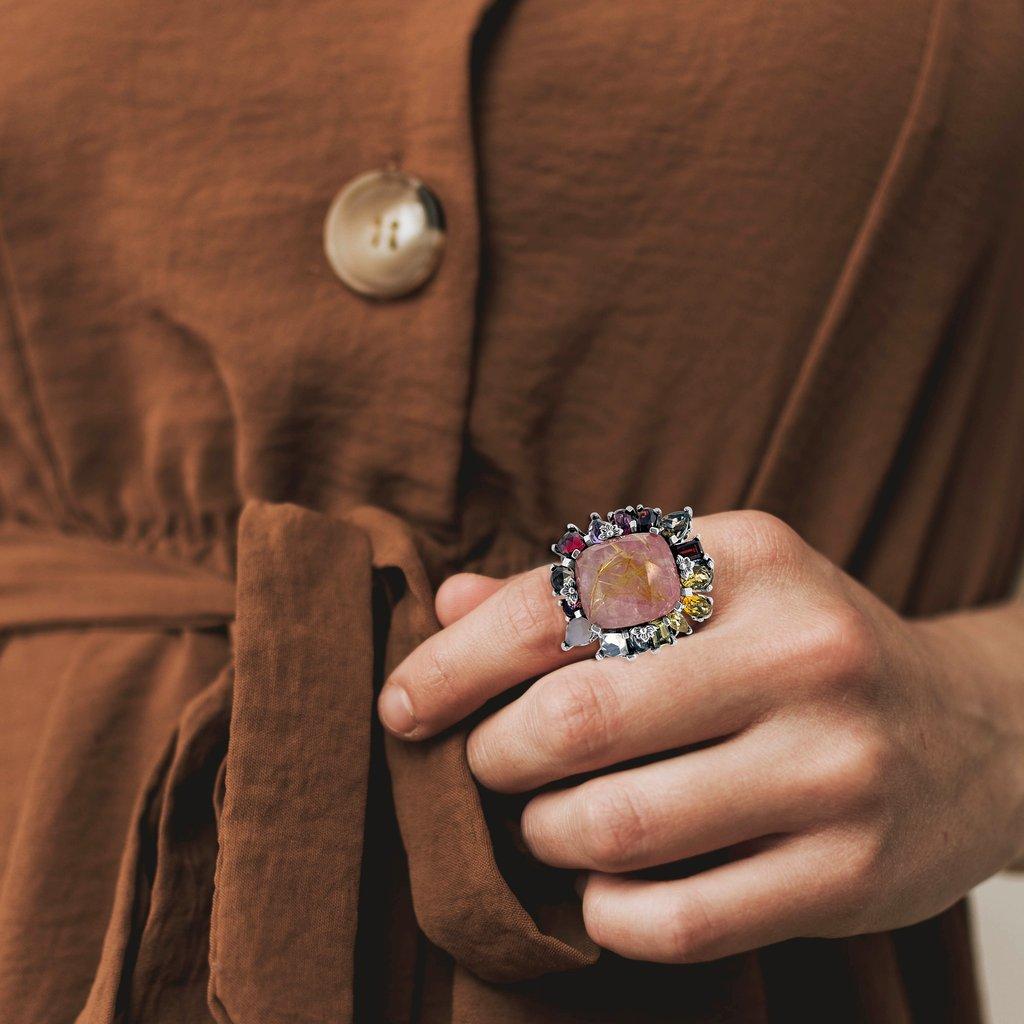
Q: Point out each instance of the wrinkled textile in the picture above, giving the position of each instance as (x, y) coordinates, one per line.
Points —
(754, 255)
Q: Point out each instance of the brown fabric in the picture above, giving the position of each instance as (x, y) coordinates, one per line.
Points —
(760, 255)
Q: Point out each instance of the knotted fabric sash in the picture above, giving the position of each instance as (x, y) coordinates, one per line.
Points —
(289, 836)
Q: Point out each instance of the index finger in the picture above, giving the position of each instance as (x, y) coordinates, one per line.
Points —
(511, 636)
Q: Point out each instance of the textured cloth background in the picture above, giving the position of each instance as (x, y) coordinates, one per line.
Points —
(761, 255)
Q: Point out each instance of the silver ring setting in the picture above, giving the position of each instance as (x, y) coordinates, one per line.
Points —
(633, 581)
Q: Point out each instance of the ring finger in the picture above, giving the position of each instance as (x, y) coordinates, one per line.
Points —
(680, 807)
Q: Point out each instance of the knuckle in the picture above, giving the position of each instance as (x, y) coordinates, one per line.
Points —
(853, 772)
(860, 870)
(528, 611)
(837, 649)
(580, 714)
(854, 648)
(614, 826)
(434, 685)
(691, 931)
(769, 541)
(867, 764)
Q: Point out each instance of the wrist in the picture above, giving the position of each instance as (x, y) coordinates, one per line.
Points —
(976, 660)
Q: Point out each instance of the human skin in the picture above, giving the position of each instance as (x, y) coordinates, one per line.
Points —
(861, 771)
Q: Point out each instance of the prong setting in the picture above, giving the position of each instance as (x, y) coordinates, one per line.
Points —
(696, 575)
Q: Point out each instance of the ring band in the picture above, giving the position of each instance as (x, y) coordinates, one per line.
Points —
(633, 581)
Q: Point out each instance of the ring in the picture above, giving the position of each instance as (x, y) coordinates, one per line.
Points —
(633, 581)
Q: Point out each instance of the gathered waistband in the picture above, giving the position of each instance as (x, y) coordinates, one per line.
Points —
(52, 579)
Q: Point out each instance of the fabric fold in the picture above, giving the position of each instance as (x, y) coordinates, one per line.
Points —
(463, 902)
(154, 963)
(50, 579)
(291, 828)
(258, 802)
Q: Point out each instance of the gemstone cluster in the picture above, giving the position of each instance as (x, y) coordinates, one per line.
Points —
(632, 581)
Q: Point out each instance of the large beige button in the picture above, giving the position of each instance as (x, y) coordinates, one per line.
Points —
(384, 234)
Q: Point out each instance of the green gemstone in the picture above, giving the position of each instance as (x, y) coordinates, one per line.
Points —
(676, 525)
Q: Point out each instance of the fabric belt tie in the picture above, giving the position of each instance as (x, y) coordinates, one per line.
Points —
(290, 831)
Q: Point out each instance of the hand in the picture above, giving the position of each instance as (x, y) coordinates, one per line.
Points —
(855, 770)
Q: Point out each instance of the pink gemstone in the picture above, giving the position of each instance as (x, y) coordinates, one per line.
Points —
(627, 580)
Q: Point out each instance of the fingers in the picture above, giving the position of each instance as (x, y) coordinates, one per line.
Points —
(594, 714)
(751, 549)
(461, 593)
(512, 635)
(669, 810)
(773, 895)
(515, 632)
(732, 672)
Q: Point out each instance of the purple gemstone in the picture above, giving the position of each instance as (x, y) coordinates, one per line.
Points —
(691, 549)
(623, 520)
(646, 518)
(572, 542)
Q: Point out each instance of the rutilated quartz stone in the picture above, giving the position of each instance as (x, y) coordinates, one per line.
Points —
(627, 580)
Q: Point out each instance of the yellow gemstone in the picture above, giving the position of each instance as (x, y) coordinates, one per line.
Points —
(664, 630)
(675, 621)
(699, 578)
(697, 606)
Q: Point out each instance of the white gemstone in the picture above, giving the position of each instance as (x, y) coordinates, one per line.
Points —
(579, 632)
(613, 645)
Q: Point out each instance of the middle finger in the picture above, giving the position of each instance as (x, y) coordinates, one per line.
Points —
(594, 714)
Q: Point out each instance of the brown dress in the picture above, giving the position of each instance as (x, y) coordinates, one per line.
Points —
(736, 255)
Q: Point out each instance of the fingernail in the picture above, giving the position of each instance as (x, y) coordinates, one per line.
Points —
(396, 710)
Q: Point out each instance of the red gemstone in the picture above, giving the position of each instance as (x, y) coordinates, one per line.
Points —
(571, 542)
(691, 549)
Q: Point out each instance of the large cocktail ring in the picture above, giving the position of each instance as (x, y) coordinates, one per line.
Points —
(633, 581)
